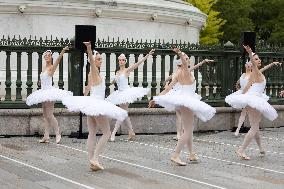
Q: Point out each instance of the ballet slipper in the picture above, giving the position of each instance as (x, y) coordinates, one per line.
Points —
(193, 157)
(175, 138)
(178, 161)
(236, 134)
(44, 140)
(242, 155)
(58, 138)
(95, 166)
(178, 137)
(131, 136)
(112, 138)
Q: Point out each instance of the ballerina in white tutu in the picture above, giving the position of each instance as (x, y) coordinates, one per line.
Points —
(96, 108)
(47, 95)
(176, 87)
(281, 94)
(242, 82)
(188, 102)
(255, 102)
(125, 94)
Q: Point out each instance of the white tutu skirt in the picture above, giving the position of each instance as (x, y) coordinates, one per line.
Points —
(180, 92)
(128, 95)
(172, 102)
(47, 95)
(94, 107)
(238, 92)
(259, 103)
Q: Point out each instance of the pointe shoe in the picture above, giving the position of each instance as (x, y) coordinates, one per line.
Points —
(175, 138)
(178, 137)
(236, 134)
(57, 139)
(193, 157)
(44, 140)
(178, 161)
(112, 138)
(95, 166)
(242, 155)
(131, 136)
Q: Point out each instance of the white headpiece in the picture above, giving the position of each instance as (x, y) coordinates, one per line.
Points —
(48, 51)
(178, 62)
(248, 64)
(122, 56)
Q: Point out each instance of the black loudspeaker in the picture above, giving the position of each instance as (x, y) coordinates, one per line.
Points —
(248, 38)
(84, 33)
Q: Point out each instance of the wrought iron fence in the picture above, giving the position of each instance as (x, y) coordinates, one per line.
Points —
(214, 82)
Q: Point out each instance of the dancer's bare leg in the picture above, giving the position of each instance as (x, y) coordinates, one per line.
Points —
(178, 124)
(254, 118)
(127, 122)
(186, 138)
(48, 108)
(241, 121)
(115, 129)
(52, 120)
(92, 128)
(257, 139)
(45, 138)
(103, 125)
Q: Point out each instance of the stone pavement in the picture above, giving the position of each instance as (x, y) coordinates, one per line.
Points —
(143, 163)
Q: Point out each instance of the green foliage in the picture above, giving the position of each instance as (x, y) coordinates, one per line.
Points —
(268, 18)
(211, 33)
(236, 13)
(265, 17)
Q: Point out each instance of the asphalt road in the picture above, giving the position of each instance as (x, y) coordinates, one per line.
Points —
(143, 163)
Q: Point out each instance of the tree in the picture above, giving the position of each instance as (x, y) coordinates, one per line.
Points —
(268, 18)
(211, 33)
(265, 17)
(237, 15)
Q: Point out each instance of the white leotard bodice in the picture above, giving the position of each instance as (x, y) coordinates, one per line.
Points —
(46, 80)
(244, 81)
(98, 91)
(257, 88)
(187, 89)
(122, 82)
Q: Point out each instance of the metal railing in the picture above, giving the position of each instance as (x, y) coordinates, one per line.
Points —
(214, 82)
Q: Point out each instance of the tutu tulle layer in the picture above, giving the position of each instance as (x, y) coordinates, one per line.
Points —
(238, 92)
(258, 102)
(129, 95)
(47, 95)
(94, 107)
(173, 101)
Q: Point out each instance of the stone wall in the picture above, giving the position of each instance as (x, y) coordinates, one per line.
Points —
(30, 121)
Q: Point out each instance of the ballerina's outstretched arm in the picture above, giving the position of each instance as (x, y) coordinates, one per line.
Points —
(255, 74)
(88, 87)
(94, 70)
(58, 60)
(185, 59)
(200, 64)
(269, 66)
(134, 66)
